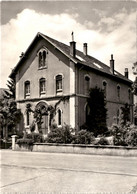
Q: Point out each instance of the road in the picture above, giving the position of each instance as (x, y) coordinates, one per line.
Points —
(52, 173)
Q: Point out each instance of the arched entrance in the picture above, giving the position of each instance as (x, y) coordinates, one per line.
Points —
(43, 120)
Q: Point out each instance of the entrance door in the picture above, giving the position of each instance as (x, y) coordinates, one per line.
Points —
(43, 109)
(44, 125)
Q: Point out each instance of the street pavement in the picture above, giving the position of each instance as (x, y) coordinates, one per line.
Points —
(53, 173)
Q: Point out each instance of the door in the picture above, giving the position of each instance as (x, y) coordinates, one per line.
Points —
(44, 125)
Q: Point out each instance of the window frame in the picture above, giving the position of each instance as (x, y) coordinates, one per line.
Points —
(118, 91)
(59, 82)
(27, 118)
(87, 112)
(42, 58)
(59, 117)
(26, 88)
(86, 84)
(129, 94)
(42, 86)
(104, 87)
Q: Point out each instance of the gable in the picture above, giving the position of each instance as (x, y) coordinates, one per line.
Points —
(29, 70)
(80, 58)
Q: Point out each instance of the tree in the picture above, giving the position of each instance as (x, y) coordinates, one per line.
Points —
(96, 119)
(124, 115)
(10, 116)
(11, 92)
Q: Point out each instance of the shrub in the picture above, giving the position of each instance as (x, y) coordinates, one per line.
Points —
(32, 126)
(36, 137)
(103, 141)
(119, 134)
(131, 136)
(25, 141)
(83, 137)
(126, 135)
(60, 135)
(96, 118)
(19, 134)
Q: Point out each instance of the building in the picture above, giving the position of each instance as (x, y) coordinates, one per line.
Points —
(52, 74)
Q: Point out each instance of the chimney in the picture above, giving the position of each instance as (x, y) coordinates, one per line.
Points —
(85, 48)
(112, 65)
(126, 72)
(73, 49)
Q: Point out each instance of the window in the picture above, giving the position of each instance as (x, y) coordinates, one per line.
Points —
(42, 86)
(87, 84)
(28, 121)
(118, 116)
(58, 83)
(87, 113)
(129, 94)
(27, 88)
(59, 117)
(118, 91)
(105, 88)
(42, 58)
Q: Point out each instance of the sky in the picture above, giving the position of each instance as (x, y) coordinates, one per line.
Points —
(109, 27)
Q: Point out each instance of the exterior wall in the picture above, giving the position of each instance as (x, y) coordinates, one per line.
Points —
(56, 64)
(113, 101)
(79, 149)
(63, 106)
(30, 71)
(73, 111)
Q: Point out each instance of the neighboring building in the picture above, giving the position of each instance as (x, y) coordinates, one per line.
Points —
(50, 71)
(135, 92)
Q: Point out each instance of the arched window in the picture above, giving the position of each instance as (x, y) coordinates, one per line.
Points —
(42, 58)
(27, 118)
(42, 86)
(118, 91)
(58, 83)
(105, 88)
(87, 85)
(59, 117)
(87, 113)
(27, 89)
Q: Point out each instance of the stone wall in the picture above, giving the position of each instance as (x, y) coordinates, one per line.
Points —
(80, 149)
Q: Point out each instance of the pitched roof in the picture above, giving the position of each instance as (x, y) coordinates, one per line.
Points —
(80, 58)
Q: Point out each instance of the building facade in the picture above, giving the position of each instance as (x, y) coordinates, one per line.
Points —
(52, 74)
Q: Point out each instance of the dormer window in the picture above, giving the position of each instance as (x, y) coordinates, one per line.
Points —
(27, 89)
(42, 55)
